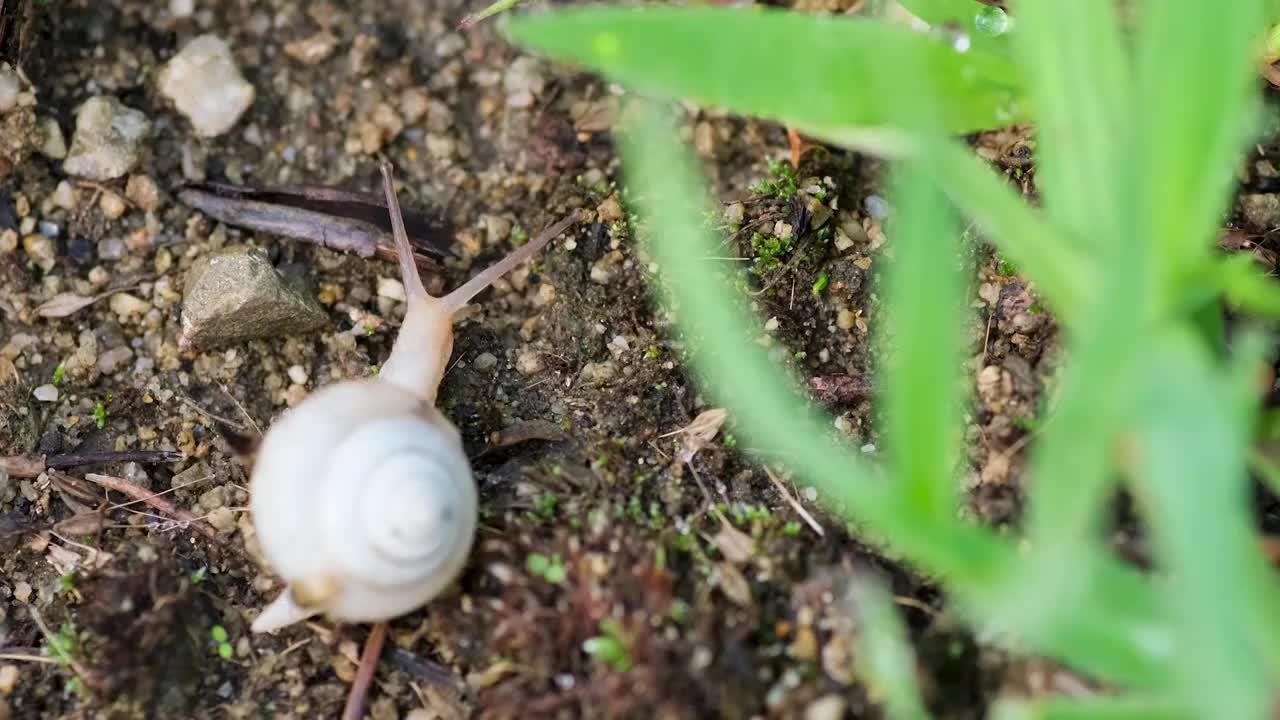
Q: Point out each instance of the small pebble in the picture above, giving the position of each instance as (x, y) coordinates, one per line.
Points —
(827, 707)
(108, 139)
(8, 241)
(64, 196)
(142, 191)
(598, 373)
(846, 319)
(182, 8)
(112, 360)
(206, 86)
(297, 374)
(22, 590)
(41, 250)
(484, 361)
(610, 210)
(313, 49)
(529, 362)
(111, 248)
(414, 104)
(223, 519)
(8, 678)
(523, 82)
(10, 88)
(124, 305)
(46, 393)
(391, 288)
(877, 207)
(55, 143)
(112, 205)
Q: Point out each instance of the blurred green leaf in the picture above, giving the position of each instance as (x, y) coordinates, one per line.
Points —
(745, 56)
(1078, 75)
(1184, 152)
(1092, 708)
(1192, 482)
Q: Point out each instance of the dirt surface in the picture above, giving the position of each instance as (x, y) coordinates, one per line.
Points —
(566, 384)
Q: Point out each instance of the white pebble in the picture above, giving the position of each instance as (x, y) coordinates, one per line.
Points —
(391, 288)
(298, 375)
(10, 88)
(64, 196)
(206, 86)
(46, 393)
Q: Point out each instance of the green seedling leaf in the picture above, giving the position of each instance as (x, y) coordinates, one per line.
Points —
(822, 77)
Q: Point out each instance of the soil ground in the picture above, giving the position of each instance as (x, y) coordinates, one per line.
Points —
(567, 385)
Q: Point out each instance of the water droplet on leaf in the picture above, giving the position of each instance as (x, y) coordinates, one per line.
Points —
(991, 20)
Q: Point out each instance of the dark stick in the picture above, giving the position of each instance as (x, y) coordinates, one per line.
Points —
(29, 466)
(354, 709)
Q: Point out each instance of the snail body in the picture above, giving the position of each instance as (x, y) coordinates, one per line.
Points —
(363, 500)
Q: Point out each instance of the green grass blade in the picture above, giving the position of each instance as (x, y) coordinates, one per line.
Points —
(924, 298)
(1114, 627)
(1078, 76)
(779, 65)
(1196, 96)
(925, 312)
(885, 660)
(1095, 708)
(1194, 447)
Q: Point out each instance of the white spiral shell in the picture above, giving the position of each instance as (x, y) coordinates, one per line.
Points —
(364, 490)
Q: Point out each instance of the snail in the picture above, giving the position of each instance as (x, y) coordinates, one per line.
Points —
(362, 498)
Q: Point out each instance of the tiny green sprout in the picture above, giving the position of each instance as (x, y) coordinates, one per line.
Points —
(545, 505)
(369, 329)
(67, 581)
(550, 569)
(519, 235)
(62, 645)
(221, 642)
(600, 462)
(660, 558)
(821, 283)
(679, 610)
(73, 686)
(610, 646)
(800, 355)
(197, 577)
(791, 528)
(730, 441)
(100, 415)
(1007, 268)
(651, 353)
(1036, 308)
(59, 373)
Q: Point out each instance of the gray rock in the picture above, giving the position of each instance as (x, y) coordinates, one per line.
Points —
(108, 139)
(206, 86)
(1261, 210)
(236, 295)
